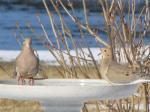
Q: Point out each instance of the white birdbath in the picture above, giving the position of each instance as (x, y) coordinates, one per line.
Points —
(66, 95)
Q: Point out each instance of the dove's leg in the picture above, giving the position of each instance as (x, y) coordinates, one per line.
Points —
(21, 78)
(31, 81)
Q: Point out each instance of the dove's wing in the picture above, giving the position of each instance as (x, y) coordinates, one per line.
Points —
(120, 69)
(120, 73)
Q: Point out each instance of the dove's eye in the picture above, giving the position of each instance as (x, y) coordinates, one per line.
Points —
(104, 50)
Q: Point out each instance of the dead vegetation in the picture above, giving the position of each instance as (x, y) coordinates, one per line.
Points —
(7, 105)
(121, 30)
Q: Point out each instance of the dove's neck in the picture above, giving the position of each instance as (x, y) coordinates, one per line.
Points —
(27, 45)
(27, 48)
(105, 61)
(104, 66)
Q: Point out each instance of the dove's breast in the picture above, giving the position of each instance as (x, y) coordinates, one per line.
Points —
(27, 63)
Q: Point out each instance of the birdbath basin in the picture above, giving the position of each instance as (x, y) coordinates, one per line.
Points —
(66, 95)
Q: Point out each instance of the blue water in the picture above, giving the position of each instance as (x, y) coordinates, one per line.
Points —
(8, 19)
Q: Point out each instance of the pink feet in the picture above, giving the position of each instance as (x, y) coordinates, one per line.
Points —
(22, 79)
(31, 81)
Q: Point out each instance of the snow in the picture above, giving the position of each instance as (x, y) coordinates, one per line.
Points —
(46, 56)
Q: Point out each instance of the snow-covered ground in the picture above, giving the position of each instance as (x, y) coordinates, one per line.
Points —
(46, 56)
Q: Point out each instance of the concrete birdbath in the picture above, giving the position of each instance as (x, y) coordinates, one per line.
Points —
(66, 95)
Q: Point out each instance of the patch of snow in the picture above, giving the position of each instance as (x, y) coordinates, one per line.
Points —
(46, 56)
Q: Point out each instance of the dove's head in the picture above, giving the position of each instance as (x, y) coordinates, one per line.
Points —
(27, 42)
(106, 53)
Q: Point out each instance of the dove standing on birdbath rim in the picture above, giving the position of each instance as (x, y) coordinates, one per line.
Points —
(27, 63)
(114, 72)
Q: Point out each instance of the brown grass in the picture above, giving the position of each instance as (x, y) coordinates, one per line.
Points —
(7, 105)
(49, 71)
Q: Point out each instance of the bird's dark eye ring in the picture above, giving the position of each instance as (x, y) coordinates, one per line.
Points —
(104, 50)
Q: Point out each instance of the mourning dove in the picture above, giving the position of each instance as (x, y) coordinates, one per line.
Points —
(27, 63)
(114, 72)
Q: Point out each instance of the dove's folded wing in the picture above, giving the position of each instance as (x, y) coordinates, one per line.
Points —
(120, 73)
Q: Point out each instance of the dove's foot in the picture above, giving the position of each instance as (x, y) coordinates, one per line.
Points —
(21, 78)
(31, 81)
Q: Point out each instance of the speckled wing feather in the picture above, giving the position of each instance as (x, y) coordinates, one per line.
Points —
(113, 71)
(120, 73)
